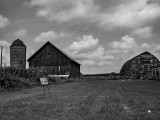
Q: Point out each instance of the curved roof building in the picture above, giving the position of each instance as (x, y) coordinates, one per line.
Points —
(140, 66)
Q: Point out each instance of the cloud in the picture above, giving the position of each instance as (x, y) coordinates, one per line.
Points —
(88, 52)
(5, 53)
(5, 58)
(49, 36)
(20, 33)
(97, 56)
(145, 32)
(85, 43)
(134, 14)
(126, 42)
(3, 21)
(63, 10)
(88, 63)
(4, 43)
(156, 48)
(32, 51)
(145, 46)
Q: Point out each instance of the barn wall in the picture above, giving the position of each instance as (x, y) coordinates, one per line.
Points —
(50, 60)
(74, 70)
(54, 70)
(156, 73)
(49, 56)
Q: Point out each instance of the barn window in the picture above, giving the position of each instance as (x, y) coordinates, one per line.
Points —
(48, 55)
(59, 67)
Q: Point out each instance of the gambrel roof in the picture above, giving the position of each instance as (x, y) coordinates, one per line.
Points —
(62, 52)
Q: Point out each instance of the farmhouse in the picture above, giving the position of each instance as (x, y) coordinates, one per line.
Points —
(54, 61)
(141, 66)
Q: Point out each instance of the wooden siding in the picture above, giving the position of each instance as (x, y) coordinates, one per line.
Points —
(74, 71)
(48, 56)
(52, 61)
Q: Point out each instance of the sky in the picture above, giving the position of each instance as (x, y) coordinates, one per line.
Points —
(99, 34)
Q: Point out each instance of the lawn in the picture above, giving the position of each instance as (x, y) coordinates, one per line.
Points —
(85, 100)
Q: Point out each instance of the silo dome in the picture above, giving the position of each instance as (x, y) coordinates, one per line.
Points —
(18, 42)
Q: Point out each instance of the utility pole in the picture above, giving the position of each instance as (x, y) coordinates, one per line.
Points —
(1, 54)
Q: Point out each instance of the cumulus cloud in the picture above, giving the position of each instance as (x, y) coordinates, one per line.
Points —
(89, 52)
(3, 21)
(126, 42)
(64, 10)
(156, 48)
(20, 33)
(5, 53)
(4, 43)
(134, 14)
(5, 57)
(97, 56)
(49, 36)
(88, 63)
(32, 51)
(145, 32)
(85, 43)
(145, 46)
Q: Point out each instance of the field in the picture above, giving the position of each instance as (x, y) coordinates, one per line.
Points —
(85, 100)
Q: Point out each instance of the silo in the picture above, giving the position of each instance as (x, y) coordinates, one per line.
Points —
(18, 54)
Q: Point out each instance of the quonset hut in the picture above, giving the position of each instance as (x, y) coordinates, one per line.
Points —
(54, 61)
(140, 67)
(18, 54)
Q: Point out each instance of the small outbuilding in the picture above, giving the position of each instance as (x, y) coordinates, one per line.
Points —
(54, 61)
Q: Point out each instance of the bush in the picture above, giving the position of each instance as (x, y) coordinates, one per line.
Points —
(12, 77)
(10, 82)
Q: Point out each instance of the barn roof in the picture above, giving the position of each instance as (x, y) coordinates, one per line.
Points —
(18, 42)
(65, 54)
(127, 65)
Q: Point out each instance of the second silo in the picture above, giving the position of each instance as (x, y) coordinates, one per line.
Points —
(18, 54)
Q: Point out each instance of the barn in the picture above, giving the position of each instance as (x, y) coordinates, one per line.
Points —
(54, 61)
(140, 67)
(156, 72)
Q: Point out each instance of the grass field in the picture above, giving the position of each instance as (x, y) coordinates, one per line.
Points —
(85, 100)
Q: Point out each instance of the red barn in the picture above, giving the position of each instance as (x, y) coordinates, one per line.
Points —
(54, 61)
